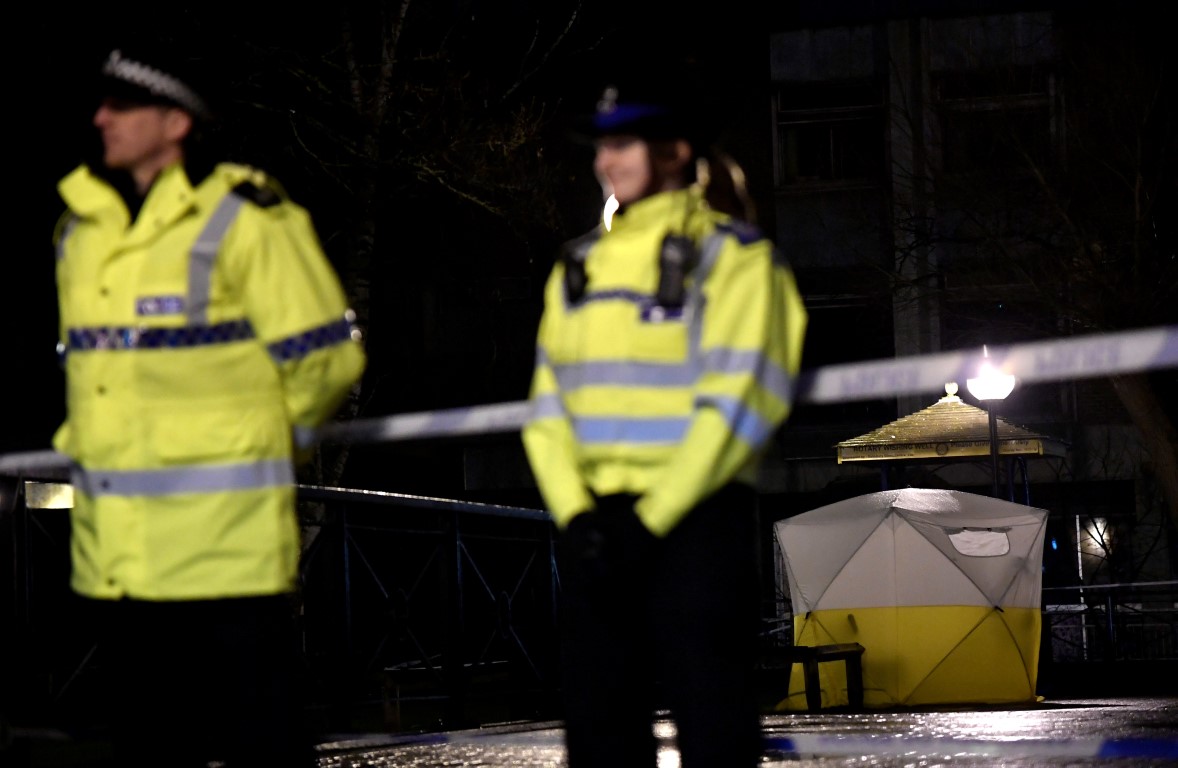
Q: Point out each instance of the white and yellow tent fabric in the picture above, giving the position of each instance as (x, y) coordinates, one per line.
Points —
(942, 588)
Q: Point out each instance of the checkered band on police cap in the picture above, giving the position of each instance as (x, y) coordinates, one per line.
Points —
(152, 82)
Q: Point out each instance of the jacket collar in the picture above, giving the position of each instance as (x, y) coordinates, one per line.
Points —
(673, 210)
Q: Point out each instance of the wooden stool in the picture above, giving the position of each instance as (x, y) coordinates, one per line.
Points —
(810, 656)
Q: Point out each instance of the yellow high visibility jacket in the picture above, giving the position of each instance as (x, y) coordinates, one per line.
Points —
(202, 343)
(670, 405)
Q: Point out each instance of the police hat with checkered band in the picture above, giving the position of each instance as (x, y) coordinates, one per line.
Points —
(141, 73)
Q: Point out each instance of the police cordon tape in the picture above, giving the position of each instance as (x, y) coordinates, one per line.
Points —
(1051, 360)
(1076, 357)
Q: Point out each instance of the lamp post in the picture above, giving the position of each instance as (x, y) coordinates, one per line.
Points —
(990, 385)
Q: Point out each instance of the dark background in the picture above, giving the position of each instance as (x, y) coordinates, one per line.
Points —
(452, 286)
(455, 289)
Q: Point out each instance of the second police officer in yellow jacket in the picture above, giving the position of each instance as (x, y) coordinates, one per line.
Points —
(205, 336)
(666, 361)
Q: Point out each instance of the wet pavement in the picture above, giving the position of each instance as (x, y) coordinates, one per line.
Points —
(1051, 734)
(1054, 733)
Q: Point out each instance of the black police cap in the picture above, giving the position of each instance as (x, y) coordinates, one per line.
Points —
(140, 73)
(665, 101)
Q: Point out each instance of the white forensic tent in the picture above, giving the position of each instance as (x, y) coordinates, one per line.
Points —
(941, 587)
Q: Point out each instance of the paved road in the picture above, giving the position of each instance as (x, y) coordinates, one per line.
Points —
(1125, 732)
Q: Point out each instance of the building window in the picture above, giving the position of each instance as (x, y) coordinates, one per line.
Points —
(828, 133)
(994, 120)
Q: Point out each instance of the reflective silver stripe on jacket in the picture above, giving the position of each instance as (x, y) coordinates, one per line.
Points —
(197, 331)
(65, 234)
(622, 373)
(628, 373)
(546, 407)
(204, 254)
(709, 253)
(651, 430)
(744, 422)
(188, 479)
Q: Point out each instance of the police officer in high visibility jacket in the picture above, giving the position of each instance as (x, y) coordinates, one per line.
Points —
(666, 359)
(205, 336)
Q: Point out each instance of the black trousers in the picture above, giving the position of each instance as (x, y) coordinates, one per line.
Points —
(199, 681)
(651, 623)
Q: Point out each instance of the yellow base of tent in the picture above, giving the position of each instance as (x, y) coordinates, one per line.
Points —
(921, 655)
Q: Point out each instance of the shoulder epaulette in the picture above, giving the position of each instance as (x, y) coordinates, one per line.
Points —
(262, 196)
(744, 232)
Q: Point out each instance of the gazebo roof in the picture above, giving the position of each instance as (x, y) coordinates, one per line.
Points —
(950, 428)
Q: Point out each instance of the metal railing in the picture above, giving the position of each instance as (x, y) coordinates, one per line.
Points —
(1111, 622)
(444, 606)
(1131, 622)
(1094, 623)
(415, 612)
(420, 612)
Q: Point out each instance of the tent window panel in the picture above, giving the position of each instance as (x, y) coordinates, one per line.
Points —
(980, 543)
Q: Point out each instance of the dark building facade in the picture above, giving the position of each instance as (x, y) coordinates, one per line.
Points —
(918, 154)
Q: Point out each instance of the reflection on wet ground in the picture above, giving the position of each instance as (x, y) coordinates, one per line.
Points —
(1054, 734)
(1128, 732)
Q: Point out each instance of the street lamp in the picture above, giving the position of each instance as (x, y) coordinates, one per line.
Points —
(990, 385)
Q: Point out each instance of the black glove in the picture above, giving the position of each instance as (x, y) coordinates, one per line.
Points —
(585, 547)
(608, 546)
